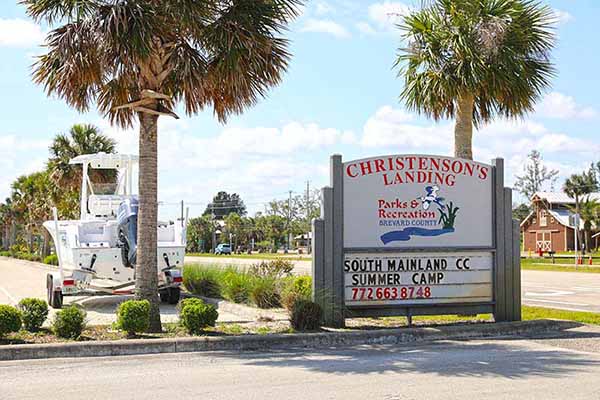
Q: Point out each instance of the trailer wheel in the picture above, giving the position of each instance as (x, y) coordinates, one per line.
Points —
(55, 297)
(170, 295)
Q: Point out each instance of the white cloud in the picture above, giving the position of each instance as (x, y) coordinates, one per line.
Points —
(325, 26)
(562, 17)
(365, 28)
(20, 33)
(389, 127)
(393, 130)
(387, 14)
(561, 106)
(323, 8)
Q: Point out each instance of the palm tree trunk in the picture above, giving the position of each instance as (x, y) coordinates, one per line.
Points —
(463, 129)
(146, 268)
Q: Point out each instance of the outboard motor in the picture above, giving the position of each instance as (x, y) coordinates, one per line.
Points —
(127, 219)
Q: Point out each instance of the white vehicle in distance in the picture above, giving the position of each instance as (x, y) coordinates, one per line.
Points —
(97, 253)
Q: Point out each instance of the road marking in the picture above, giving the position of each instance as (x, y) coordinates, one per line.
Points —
(12, 299)
(565, 308)
(559, 302)
(550, 293)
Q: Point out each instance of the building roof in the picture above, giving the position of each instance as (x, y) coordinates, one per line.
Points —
(562, 198)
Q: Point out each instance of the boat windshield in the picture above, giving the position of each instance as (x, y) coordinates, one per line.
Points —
(103, 182)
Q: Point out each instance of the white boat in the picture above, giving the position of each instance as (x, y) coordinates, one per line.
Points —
(97, 253)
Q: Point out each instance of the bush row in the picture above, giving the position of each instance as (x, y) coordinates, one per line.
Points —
(265, 285)
(21, 255)
(31, 314)
(133, 317)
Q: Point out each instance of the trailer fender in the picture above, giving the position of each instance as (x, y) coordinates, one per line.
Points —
(56, 281)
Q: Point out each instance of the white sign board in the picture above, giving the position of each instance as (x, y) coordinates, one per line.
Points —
(417, 278)
(417, 201)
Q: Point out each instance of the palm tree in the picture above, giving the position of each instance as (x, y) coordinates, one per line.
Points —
(590, 215)
(577, 186)
(81, 139)
(138, 59)
(475, 60)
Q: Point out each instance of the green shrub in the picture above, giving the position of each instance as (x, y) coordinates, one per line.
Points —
(10, 319)
(195, 315)
(34, 312)
(264, 292)
(306, 315)
(203, 280)
(277, 268)
(69, 322)
(236, 285)
(52, 259)
(133, 316)
(296, 288)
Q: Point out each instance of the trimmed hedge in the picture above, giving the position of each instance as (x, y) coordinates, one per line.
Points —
(195, 315)
(306, 315)
(133, 316)
(10, 319)
(34, 313)
(69, 322)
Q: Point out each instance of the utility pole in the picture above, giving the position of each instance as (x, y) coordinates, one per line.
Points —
(308, 201)
(289, 221)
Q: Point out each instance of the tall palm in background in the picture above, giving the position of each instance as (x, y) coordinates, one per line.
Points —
(137, 59)
(589, 210)
(81, 139)
(475, 60)
(577, 186)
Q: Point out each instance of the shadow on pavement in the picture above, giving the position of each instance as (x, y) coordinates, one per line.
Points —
(508, 359)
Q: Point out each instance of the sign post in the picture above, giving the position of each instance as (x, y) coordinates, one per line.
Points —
(416, 235)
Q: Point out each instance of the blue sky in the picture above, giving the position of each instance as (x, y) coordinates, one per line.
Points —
(340, 95)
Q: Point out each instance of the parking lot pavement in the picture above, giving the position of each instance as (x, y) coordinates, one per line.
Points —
(564, 290)
(20, 279)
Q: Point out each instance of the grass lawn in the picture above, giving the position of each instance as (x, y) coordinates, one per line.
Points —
(262, 256)
(528, 314)
(546, 265)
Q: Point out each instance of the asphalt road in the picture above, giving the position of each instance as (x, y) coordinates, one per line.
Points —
(486, 369)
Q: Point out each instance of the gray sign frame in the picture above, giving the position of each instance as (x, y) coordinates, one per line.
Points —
(328, 257)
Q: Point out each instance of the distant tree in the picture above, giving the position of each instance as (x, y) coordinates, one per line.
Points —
(579, 185)
(535, 175)
(224, 204)
(199, 234)
(301, 211)
(589, 210)
(81, 139)
(521, 211)
(476, 60)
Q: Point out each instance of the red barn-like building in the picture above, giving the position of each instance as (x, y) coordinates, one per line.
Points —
(549, 226)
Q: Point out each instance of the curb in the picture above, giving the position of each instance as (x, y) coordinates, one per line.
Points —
(279, 341)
